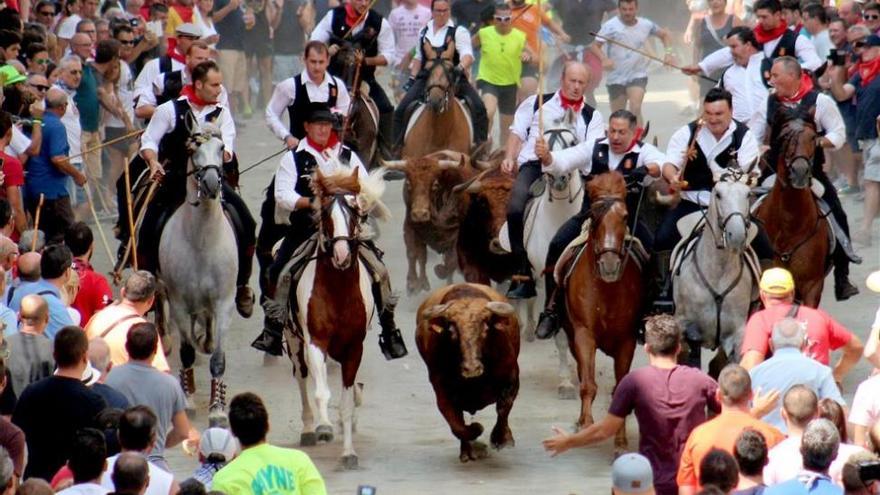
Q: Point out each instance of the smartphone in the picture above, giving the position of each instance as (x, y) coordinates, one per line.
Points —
(155, 27)
(366, 490)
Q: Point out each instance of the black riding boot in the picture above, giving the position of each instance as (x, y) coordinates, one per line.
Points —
(522, 284)
(843, 288)
(663, 303)
(390, 340)
(271, 339)
(548, 321)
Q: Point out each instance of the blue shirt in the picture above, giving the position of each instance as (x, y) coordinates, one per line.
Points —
(231, 28)
(789, 367)
(10, 319)
(806, 483)
(42, 176)
(58, 315)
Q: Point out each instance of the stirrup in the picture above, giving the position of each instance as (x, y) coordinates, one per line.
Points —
(392, 345)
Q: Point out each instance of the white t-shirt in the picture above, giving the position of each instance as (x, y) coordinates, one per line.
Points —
(67, 28)
(823, 44)
(125, 92)
(206, 25)
(628, 65)
(85, 489)
(866, 403)
(407, 24)
(160, 480)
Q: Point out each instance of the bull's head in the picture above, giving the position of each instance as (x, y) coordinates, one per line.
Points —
(469, 323)
(489, 194)
(429, 182)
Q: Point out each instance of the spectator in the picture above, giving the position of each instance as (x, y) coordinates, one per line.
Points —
(30, 351)
(666, 419)
(407, 21)
(192, 486)
(865, 407)
(13, 176)
(7, 474)
(201, 19)
(258, 50)
(48, 171)
(815, 20)
(8, 262)
(87, 27)
(87, 461)
(35, 486)
(789, 366)
(229, 22)
(137, 435)
(734, 393)
(217, 448)
(89, 9)
(11, 436)
(50, 435)
(750, 452)
(852, 480)
(115, 127)
(54, 271)
(823, 333)
(8, 318)
(871, 17)
(872, 348)
(818, 449)
(142, 384)
(800, 407)
(107, 69)
(179, 12)
(7, 223)
(67, 26)
(113, 322)
(102, 28)
(95, 293)
(130, 475)
(472, 14)
(86, 99)
(631, 474)
(719, 468)
(531, 21)
(99, 359)
(44, 15)
(249, 421)
(850, 11)
(10, 44)
(833, 411)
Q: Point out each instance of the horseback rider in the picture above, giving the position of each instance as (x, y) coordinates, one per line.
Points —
(296, 94)
(355, 23)
(439, 34)
(696, 154)
(321, 150)
(520, 151)
(795, 93)
(174, 60)
(622, 151)
(164, 149)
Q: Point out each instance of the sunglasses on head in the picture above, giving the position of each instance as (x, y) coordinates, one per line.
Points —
(502, 18)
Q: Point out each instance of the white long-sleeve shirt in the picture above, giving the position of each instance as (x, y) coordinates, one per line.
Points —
(747, 88)
(438, 38)
(287, 176)
(324, 32)
(828, 120)
(285, 94)
(163, 122)
(676, 154)
(143, 85)
(581, 157)
(525, 125)
(803, 47)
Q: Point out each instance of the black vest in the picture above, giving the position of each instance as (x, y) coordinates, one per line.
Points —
(306, 163)
(586, 110)
(300, 106)
(367, 38)
(165, 64)
(803, 108)
(787, 46)
(172, 147)
(173, 85)
(448, 38)
(697, 172)
(601, 155)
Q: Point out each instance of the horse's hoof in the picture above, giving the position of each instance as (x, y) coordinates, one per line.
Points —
(425, 285)
(349, 462)
(325, 433)
(217, 418)
(441, 271)
(567, 392)
(308, 439)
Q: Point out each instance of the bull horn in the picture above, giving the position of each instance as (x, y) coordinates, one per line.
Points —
(448, 154)
(468, 186)
(435, 311)
(449, 163)
(484, 165)
(393, 164)
(500, 308)
(481, 150)
(664, 199)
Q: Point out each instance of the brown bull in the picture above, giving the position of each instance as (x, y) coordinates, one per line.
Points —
(468, 336)
(432, 213)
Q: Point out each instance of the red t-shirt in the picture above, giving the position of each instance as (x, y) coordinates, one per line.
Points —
(824, 334)
(94, 291)
(13, 171)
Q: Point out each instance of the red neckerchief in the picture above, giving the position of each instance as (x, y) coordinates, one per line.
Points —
(173, 53)
(806, 87)
(185, 13)
(765, 36)
(351, 16)
(190, 92)
(332, 141)
(869, 70)
(81, 265)
(797, 29)
(575, 105)
(636, 138)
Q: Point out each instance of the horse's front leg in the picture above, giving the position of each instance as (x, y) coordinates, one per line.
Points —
(317, 362)
(584, 350)
(566, 389)
(416, 253)
(220, 324)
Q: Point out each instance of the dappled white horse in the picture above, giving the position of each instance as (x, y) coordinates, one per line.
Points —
(199, 263)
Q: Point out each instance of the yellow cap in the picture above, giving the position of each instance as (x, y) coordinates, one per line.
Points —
(777, 282)
(873, 281)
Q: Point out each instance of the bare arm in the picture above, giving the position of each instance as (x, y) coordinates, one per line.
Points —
(63, 164)
(13, 195)
(839, 87)
(180, 430)
(221, 14)
(751, 359)
(871, 346)
(595, 433)
(852, 351)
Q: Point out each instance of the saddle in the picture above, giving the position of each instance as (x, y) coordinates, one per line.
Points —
(572, 253)
(536, 190)
(415, 109)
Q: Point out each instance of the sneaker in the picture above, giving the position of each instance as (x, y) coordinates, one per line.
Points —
(849, 190)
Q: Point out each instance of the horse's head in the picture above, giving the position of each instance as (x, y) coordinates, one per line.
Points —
(438, 90)
(609, 215)
(796, 136)
(729, 216)
(560, 134)
(205, 146)
(344, 64)
(339, 214)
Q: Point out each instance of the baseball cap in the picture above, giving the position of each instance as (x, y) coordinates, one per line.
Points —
(872, 40)
(218, 441)
(11, 75)
(189, 29)
(777, 282)
(632, 474)
(873, 281)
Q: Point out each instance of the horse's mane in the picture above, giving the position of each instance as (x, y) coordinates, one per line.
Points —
(368, 190)
(787, 121)
(609, 184)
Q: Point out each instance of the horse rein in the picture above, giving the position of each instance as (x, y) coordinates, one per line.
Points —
(349, 212)
(598, 210)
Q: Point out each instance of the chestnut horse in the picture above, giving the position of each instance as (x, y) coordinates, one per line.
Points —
(442, 124)
(333, 280)
(603, 294)
(362, 124)
(797, 229)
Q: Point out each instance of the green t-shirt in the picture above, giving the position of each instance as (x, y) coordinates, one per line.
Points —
(269, 470)
(500, 56)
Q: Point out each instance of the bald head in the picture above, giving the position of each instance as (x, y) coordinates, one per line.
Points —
(800, 405)
(99, 355)
(8, 252)
(81, 38)
(56, 100)
(575, 77)
(29, 267)
(34, 313)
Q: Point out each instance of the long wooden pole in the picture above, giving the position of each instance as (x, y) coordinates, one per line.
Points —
(540, 73)
(91, 203)
(127, 173)
(108, 143)
(37, 222)
(647, 55)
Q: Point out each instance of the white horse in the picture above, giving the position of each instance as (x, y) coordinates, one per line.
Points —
(199, 262)
(715, 282)
(333, 303)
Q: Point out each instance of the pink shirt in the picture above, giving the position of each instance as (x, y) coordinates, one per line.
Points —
(824, 334)
(785, 461)
(407, 24)
(866, 403)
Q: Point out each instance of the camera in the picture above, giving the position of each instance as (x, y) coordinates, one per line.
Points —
(366, 490)
(837, 57)
(869, 471)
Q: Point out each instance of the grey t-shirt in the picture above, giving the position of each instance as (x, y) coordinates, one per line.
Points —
(30, 359)
(142, 384)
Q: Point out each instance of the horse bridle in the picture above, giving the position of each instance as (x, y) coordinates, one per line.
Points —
(447, 73)
(598, 209)
(349, 212)
(199, 171)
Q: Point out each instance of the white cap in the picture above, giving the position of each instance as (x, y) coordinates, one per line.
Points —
(189, 29)
(218, 441)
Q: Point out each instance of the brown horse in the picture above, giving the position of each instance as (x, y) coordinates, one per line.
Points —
(797, 230)
(362, 124)
(442, 124)
(334, 279)
(603, 294)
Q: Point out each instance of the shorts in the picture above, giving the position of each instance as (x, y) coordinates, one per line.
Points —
(871, 157)
(285, 67)
(77, 195)
(506, 95)
(123, 146)
(233, 65)
(617, 90)
(529, 70)
(259, 49)
(91, 140)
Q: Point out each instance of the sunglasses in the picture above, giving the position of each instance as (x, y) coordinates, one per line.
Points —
(871, 17)
(42, 61)
(47, 13)
(75, 72)
(859, 44)
(503, 18)
(126, 42)
(40, 87)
